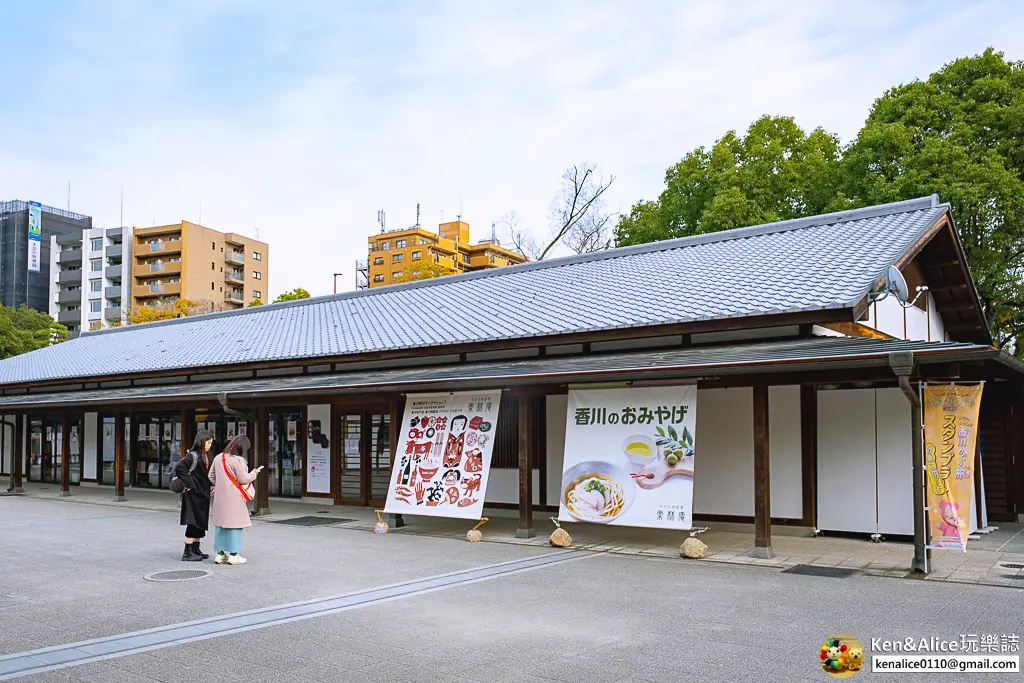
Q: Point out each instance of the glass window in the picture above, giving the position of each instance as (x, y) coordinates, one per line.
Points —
(397, 274)
(378, 261)
(385, 245)
(437, 259)
(96, 306)
(379, 277)
(286, 437)
(257, 275)
(416, 255)
(95, 285)
(399, 244)
(212, 286)
(257, 256)
(465, 258)
(213, 245)
(213, 266)
(395, 258)
(96, 265)
(95, 324)
(256, 294)
(97, 245)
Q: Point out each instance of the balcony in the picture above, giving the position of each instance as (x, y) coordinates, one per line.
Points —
(69, 297)
(69, 317)
(69, 277)
(147, 269)
(114, 251)
(161, 247)
(159, 289)
(234, 276)
(236, 257)
(234, 297)
(112, 292)
(114, 272)
(112, 313)
(70, 255)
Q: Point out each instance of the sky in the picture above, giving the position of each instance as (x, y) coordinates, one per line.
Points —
(299, 121)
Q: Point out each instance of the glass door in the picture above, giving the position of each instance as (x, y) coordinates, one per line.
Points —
(365, 450)
(284, 453)
(380, 457)
(158, 449)
(106, 469)
(351, 430)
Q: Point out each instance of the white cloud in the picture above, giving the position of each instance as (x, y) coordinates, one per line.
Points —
(475, 103)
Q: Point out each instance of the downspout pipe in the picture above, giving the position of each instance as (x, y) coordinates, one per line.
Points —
(902, 364)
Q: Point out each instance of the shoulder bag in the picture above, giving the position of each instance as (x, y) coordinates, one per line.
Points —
(248, 491)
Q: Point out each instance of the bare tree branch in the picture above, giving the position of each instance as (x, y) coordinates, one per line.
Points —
(522, 241)
(577, 213)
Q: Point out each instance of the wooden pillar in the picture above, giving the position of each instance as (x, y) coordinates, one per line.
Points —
(809, 453)
(18, 456)
(525, 410)
(119, 457)
(397, 406)
(65, 455)
(762, 482)
(260, 459)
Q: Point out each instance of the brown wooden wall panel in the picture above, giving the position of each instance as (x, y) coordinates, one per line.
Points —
(993, 447)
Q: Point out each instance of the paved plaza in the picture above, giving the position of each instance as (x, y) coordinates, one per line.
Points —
(417, 605)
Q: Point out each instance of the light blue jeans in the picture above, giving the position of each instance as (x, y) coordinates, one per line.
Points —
(227, 540)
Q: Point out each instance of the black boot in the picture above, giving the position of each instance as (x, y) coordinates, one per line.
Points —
(189, 555)
(196, 550)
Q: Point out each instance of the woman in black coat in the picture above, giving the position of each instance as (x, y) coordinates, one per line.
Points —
(195, 501)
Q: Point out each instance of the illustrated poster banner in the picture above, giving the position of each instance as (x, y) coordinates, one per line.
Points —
(318, 451)
(443, 454)
(629, 456)
(950, 441)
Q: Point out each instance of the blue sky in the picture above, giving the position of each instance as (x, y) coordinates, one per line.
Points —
(302, 119)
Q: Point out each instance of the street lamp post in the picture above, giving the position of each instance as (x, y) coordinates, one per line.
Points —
(336, 282)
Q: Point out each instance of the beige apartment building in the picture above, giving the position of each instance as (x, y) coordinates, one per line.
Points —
(189, 261)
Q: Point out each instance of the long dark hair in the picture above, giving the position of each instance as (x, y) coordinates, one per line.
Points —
(238, 445)
(199, 445)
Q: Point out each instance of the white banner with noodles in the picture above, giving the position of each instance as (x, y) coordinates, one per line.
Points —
(629, 457)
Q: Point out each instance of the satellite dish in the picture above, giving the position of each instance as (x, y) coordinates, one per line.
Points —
(896, 284)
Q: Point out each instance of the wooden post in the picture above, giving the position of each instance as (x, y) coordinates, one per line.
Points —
(762, 482)
(65, 455)
(260, 459)
(809, 453)
(525, 529)
(18, 456)
(397, 406)
(119, 457)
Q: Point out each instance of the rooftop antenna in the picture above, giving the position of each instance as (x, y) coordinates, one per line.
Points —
(257, 234)
(380, 219)
(417, 214)
(494, 234)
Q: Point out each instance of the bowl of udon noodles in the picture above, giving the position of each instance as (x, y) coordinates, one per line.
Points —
(597, 491)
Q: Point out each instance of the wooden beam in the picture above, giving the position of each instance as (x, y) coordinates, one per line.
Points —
(260, 459)
(396, 407)
(525, 529)
(762, 480)
(65, 455)
(119, 454)
(18, 456)
(809, 453)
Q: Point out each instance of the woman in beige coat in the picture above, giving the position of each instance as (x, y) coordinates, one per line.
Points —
(230, 475)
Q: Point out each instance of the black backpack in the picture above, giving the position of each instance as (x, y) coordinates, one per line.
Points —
(177, 485)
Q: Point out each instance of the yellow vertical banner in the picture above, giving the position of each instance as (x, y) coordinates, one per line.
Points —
(950, 440)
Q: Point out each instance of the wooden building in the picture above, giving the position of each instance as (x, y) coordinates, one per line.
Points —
(783, 327)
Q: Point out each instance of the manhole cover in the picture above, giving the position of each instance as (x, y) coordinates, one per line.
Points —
(312, 521)
(1016, 577)
(1011, 565)
(178, 575)
(814, 570)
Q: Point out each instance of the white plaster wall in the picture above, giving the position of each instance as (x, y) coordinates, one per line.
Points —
(887, 317)
(557, 409)
(846, 461)
(784, 451)
(895, 462)
(503, 487)
(723, 479)
(936, 328)
(89, 446)
(917, 323)
(7, 434)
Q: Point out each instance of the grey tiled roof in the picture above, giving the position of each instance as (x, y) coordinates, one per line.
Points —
(823, 262)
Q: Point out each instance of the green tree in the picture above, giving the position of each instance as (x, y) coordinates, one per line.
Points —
(294, 295)
(255, 302)
(775, 172)
(180, 308)
(24, 329)
(425, 270)
(959, 134)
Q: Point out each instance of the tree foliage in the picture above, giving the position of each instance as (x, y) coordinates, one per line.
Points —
(960, 135)
(24, 329)
(254, 302)
(294, 295)
(423, 270)
(181, 308)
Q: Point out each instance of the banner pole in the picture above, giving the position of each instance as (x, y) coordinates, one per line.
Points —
(922, 555)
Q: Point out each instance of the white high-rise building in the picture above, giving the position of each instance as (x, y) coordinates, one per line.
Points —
(89, 272)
